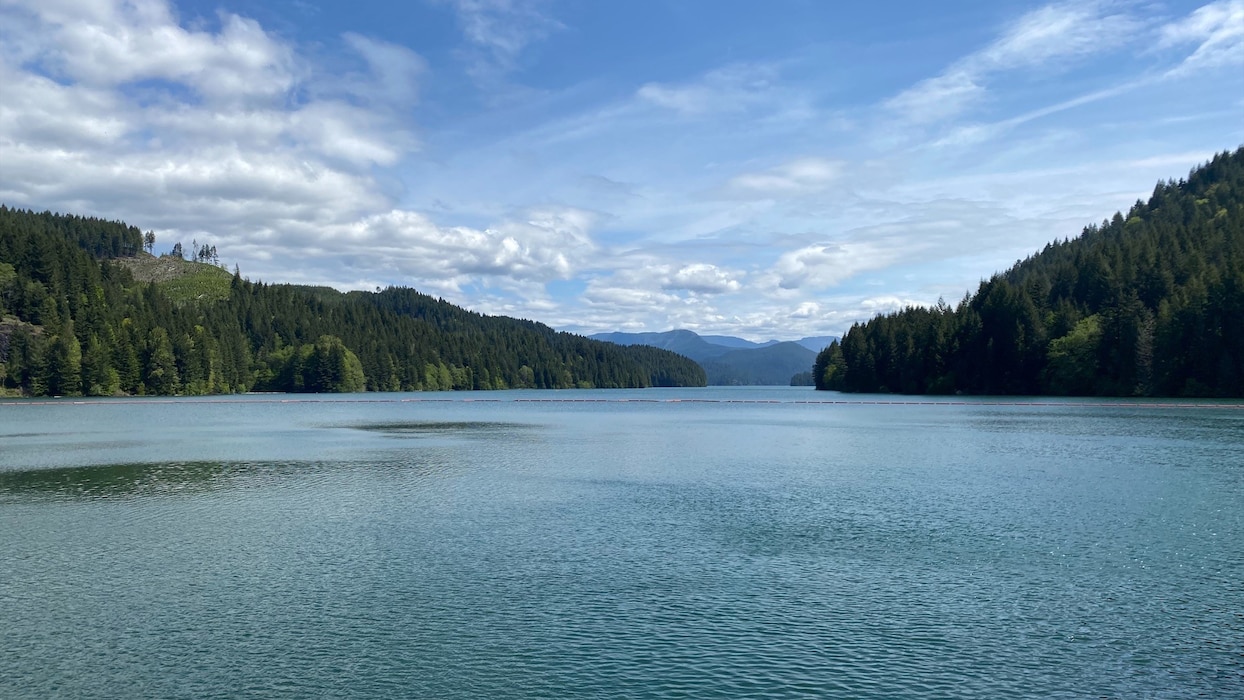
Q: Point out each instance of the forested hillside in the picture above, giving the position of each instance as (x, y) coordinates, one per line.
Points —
(74, 322)
(728, 361)
(772, 365)
(1149, 303)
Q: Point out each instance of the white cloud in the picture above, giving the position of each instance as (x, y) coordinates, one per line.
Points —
(889, 303)
(192, 131)
(283, 186)
(232, 188)
(639, 275)
(805, 310)
(1051, 34)
(938, 98)
(629, 299)
(394, 70)
(108, 44)
(829, 264)
(1218, 31)
(702, 278)
(729, 89)
(703, 215)
(800, 176)
(547, 245)
(1057, 32)
(37, 111)
(933, 229)
(349, 133)
(500, 30)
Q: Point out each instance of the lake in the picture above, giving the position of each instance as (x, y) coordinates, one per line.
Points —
(661, 543)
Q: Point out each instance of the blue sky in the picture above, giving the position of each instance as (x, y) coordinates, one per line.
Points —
(767, 170)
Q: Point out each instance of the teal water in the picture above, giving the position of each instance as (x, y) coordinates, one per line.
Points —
(631, 546)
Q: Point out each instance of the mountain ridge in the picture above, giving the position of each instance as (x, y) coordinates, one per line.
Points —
(73, 321)
(729, 360)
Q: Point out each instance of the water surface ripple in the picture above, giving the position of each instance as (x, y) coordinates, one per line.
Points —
(707, 543)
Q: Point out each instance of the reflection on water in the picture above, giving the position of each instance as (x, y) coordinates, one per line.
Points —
(641, 550)
(127, 480)
(473, 429)
(102, 481)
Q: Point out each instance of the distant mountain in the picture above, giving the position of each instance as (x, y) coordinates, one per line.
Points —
(685, 343)
(730, 341)
(726, 359)
(817, 343)
(769, 365)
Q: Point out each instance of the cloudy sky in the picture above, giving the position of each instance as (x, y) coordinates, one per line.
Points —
(763, 169)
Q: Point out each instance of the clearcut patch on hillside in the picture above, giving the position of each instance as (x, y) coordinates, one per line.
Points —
(182, 280)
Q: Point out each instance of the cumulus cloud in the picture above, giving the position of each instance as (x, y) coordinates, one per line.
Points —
(702, 278)
(103, 65)
(110, 43)
(643, 275)
(295, 165)
(807, 309)
(828, 264)
(40, 112)
(285, 185)
(116, 109)
(645, 291)
(546, 245)
(348, 133)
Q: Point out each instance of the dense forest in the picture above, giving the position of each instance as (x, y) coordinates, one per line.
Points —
(74, 322)
(771, 365)
(1149, 303)
(729, 361)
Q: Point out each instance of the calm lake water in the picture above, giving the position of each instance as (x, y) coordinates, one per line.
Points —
(633, 546)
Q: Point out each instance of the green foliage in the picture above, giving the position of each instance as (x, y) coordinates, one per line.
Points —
(1144, 304)
(159, 364)
(78, 324)
(182, 281)
(1072, 367)
(208, 283)
(325, 366)
(99, 376)
(62, 367)
(726, 365)
(8, 276)
(803, 379)
(22, 364)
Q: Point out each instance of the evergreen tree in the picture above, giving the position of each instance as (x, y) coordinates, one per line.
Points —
(1145, 303)
(55, 275)
(99, 375)
(160, 367)
(63, 364)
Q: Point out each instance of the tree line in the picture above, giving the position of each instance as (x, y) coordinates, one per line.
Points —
(1148, 303)
(74, 323)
